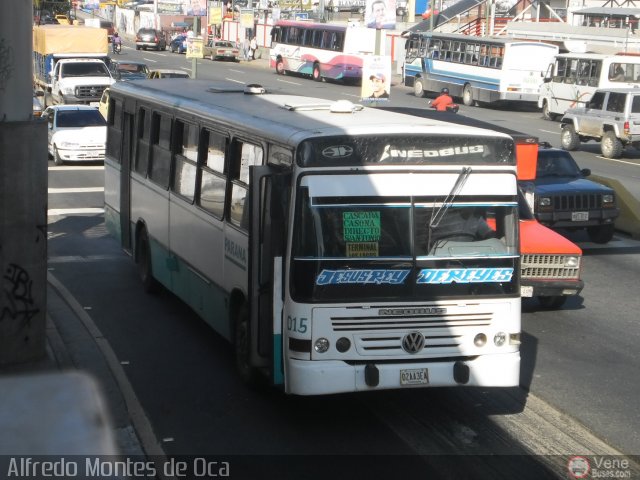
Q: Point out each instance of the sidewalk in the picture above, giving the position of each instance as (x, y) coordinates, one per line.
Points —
(52, 404)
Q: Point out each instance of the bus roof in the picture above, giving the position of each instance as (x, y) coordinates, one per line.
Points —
(291, 118)
(598, 56)
(491, 40)
(309, 24)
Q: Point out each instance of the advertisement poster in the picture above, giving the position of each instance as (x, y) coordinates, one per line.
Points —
(376, 79)
(380, 14)
(246, 18)
(215, 16)
(194, 48)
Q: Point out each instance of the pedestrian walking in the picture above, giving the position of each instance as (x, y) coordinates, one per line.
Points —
(246, 47)
(254, 46)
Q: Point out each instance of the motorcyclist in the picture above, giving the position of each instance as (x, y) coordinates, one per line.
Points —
(117, 42)
(442, 101)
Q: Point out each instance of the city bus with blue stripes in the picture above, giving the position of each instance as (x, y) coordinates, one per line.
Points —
(480, 70)
(323, 239)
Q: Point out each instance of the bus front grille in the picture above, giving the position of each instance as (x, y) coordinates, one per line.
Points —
(404, 323)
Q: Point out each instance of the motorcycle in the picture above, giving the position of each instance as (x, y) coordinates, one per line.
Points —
(117, 47)
(453, 108)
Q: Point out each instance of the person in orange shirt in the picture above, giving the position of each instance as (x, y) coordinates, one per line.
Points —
(443, 101)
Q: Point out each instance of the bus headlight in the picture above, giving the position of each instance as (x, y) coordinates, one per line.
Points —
(343, 344)
(321, 345)
(499, 339)
(480, 340)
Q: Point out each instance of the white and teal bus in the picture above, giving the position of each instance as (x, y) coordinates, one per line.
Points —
(322, 238)
(572, 79)
(478, 69)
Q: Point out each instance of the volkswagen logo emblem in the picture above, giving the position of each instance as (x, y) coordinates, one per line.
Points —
(413, 342)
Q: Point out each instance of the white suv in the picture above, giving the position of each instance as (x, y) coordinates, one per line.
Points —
(611, 117)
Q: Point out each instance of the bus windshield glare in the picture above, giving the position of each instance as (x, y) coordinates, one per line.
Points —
(405, 150)
(357, 246)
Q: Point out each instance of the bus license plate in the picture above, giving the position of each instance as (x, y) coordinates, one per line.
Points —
(526, 291)
(579, 216)
(414, 376)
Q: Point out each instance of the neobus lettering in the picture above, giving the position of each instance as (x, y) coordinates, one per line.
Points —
(336, 277)
(442, 152)
(467, 275)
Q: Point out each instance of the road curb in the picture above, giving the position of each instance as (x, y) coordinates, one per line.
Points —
(140, 438)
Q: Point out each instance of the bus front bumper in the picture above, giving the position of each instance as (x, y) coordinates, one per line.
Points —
(319, 378)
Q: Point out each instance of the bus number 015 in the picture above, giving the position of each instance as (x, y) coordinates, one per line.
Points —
(297, 325)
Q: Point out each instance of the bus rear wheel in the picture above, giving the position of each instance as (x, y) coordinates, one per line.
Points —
(467, 96)
(280, 67)
(418, 88)
(317, 74)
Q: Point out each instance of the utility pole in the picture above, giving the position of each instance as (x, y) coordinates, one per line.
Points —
(23, 194)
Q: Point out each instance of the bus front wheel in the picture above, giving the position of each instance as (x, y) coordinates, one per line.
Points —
(242, 346)
(143, 259)
(280, 67)
(546, 113)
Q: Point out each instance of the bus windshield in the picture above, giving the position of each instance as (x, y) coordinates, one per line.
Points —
(361, 245)
(405, 150)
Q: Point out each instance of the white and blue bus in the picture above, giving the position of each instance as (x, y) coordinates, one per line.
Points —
(340, 248)
(477, 69)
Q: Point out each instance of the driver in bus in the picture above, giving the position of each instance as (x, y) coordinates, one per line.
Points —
(462, 224)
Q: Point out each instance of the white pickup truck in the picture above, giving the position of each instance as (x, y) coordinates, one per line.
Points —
(79, 80)
(69, 63)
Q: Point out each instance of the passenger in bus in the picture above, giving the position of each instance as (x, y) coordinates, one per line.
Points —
(442, 101)
(618, 74)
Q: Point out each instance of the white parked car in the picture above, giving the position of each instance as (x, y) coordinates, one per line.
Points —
(77, 133)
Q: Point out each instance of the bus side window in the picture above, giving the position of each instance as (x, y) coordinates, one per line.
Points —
(186, 156)
(160, 162)
(244, 155)
(142, 137)
(213, 180)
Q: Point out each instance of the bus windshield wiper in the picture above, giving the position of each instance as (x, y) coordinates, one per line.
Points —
(448, 201)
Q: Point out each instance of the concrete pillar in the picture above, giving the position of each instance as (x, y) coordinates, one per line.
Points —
(23, 194)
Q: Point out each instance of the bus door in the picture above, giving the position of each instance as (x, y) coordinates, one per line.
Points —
(269, 194)
(125, 179)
